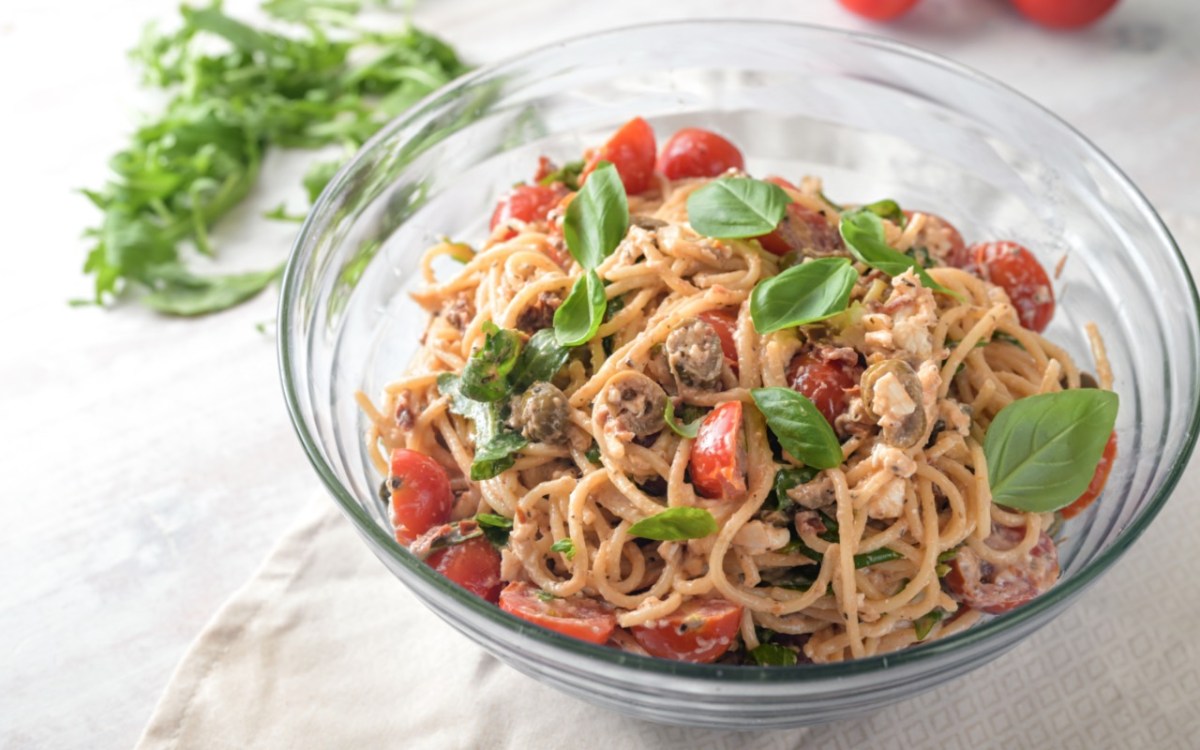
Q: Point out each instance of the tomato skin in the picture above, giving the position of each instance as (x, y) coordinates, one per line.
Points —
(1064, 14)
(803, 230)
(824, 380)
(1014, 268)
(633, 151)
(527, 203)
(879, 10)
(700, 631)
(693, 152)
(718, 459)
(473, 564)
(584, 619)
(421, 496)
(996, 589)
(724, 322)
(943, 240)
(1099, 479)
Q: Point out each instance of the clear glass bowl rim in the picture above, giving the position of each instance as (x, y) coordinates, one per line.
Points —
(932, 652)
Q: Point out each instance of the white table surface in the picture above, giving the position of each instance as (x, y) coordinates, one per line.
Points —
(147, 464)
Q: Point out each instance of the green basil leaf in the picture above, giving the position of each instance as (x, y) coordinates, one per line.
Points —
(688, 429)
(567, 174)
(495, 528)
(495, 443)
(540, 360)
(863, 233)
(593, 453)
(925, 623)
(786, 479)
(675, 524)
(485, 376)
(773, 655)
(888, 209)
(180, 292)
(1042, 450)
(564, 546)
(737, 207)
(801, 429)
(496, 455)
(802, 294)
(578, 318)
(598, 217)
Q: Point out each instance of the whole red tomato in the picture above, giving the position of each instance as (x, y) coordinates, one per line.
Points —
(1064, 14)
(880, 10)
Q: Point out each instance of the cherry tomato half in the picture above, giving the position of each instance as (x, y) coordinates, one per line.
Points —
(632, 151)
(701, 630)
(1099, 479)
(998, 588)
(943, 240)
(879, 10)
(1014, 268)
(824, 380)
(724, 322)
(1064, 14)
(421, 497)
(526, 203)
(718, 460)
(803, 230)
(693, 152)
(584, 619)
(473, 564)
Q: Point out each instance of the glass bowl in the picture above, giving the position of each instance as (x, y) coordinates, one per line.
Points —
(874, 119)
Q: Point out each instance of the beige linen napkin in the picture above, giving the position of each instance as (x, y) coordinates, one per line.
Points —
(323, 648)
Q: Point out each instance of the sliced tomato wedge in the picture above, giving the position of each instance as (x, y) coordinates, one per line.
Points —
(824, 377)
(526, 203)
(724, 322)
(580, 618)
(998, 588)
(718, 461)
(1099, 479)
(701, 630)
(461, 554)
(632, 151)
(694, 152)
(1013, 267)
(421, 496)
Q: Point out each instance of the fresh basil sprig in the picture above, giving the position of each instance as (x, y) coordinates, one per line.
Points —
(800, 427)
(737, 207)
(496, 444)
(567, 174)
(888, 209)
(687, 429)
(540, 360)
(1042, 450)
(565, 547)
(675, 524)
(485, 376)
(788, 478)
(495, 527)
(773, 655)
(579, 316)
(863, 233)
(802, 294)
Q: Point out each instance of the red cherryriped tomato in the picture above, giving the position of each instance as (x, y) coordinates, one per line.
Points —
(824, 380)
(724, 322)
(701, 630)
(802, 229)
(421, 497)
(526, 203)
(473, 564)
(693, 152)
(584, 619)
(718, 460)
(879, 10)
(943, 240)
(1014, 268)
(1099, 479)
(632, 150)
(998, 588)
(1064, 14)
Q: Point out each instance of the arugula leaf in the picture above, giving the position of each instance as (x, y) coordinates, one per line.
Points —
(773, 655)
(688, 429)
(495, 443)
(786, 479)
(540, 360)
(737, 207)
(567, 174)
(259, 89)
(485, 376)
(802, 294)
(923, 624)
(675, 524)
(565, 547)
(578, 318)
(597, 218)
(1042, 450)
(496, 528)
(863, 233)
(887, 209)
(800, 428)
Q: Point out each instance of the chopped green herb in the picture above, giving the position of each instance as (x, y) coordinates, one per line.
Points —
(567, 174)
(495, 528)
(545, 596)
(773, 655)
(786, 479)
(485, 376)
(593, 454)
(496, 444)
(923, 624)
(565, 547)
(688, 428)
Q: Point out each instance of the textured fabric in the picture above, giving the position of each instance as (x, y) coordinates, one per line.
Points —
(324, 648)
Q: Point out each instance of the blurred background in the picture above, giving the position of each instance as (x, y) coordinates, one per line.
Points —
(148, 462)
